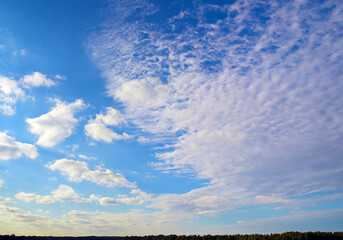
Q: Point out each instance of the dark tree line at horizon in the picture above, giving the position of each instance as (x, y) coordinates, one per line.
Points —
(272, 236)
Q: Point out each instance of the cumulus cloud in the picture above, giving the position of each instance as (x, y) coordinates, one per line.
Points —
(78, 171)
(98, 129)
(29, 197)
(10, 93)
(62, 193)
(11, 149)
(242, 107)
(66, 193)
(56, 125)
(36, 79)
(139, 198)
(6, 200)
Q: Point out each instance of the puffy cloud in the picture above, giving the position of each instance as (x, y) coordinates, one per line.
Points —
(56, 125)
(1, 183)
(78, 171)
(29, 197)
(97, 128)
(11, 149)
(36, 79)
(6, 200)
(62, 193)
(140, 198)
(10, 87)
(10, 93)
(66, 193)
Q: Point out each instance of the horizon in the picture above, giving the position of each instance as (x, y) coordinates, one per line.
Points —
(149, 117)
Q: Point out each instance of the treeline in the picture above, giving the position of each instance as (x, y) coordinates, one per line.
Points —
(276, 236)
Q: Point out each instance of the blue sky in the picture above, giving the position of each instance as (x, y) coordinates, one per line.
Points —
(159, 117)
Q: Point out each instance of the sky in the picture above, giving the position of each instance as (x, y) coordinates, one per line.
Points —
(170, 117)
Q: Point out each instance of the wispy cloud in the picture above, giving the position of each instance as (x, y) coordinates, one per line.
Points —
(254, 97)
(20, 52)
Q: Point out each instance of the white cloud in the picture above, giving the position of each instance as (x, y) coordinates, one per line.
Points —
(62, 193)
(29, 197)
(146, 93)
(1, 183)
(6, 200)
(60, 77)
(11, 149)
(21, 52)
(56, 125)
(10, 93)
(7, 110)
(87, 157)
(78, 171)
(75, 146)
(140, 198)
(242, 107)
(211, 213)
(66, 193)
(10, 87)
(36, 79)
(97, 128)
(270, 199)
